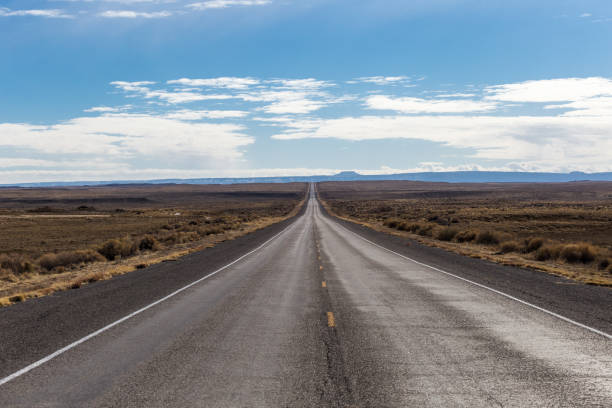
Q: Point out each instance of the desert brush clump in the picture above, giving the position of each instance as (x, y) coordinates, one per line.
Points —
(115, 248)
(425, 230)
(547, 252)
(487, 238)
(447, 234)
(533, 244)
(392, 222)
(466, 236)
(16, 263)
(17, 298)
(510, 246)
(148, 243)
(65, 259)
(578, 253)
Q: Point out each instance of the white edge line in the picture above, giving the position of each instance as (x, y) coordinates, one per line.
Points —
(558, 316)
(123, 319)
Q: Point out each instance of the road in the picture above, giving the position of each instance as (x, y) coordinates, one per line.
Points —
(316, 313)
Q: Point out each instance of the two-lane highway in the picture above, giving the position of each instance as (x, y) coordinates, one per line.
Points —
(320, 316)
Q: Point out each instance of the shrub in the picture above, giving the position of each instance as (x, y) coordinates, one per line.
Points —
(402, 226)
(603, 263)
(68, 258)
(533, 244)
(547, 252)
(16, 263)
(180, 237)
(487, 238)
(510, 246)
(414, 227)
(425, 230)
(212, 230)
(575, 253)
(447, 234)
(466, 236)
(392, 222)
(17, 298)
(117, 248)
(148, 243)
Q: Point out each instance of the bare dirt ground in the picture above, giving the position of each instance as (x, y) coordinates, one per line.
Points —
(59, 238)
(559, 228)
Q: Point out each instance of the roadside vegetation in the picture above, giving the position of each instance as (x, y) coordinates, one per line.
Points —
(564, 229)
(66, 244)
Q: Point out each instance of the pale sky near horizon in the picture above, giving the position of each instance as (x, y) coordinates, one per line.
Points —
(143, 89)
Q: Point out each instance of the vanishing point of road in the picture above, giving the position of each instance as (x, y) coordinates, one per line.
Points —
(313, 312)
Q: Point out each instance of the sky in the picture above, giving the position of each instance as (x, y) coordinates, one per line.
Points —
(150, 89)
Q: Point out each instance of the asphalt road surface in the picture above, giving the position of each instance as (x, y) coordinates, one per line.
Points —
(315, 312)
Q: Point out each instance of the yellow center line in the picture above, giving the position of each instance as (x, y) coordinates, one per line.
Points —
(323, 284)
(331, 322)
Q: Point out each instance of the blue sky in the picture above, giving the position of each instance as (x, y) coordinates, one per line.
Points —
(140, 89)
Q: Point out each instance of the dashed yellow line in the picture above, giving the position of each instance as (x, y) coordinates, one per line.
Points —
(323, 284)
(331, 322)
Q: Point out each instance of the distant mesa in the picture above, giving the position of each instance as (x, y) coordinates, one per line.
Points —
(347, 174)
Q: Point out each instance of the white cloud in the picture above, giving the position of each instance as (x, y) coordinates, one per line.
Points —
(138, 86)
(141, 88)
(176, 97)
(120, 136)
(7, 162)
(584, 15)
(295, 106)
(221, 82)
(418, 105)
(186, 114)
(300, 84)
(48, 13)
(544, 141)
(134, 14)
(281, 102)
(583, 96)
(217, 4)
(456, 95)
(282, 96)
(102, 109)
(600, 106)
(551, 90)
(381, 80)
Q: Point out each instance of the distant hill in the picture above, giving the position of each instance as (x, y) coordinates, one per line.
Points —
(449, 177)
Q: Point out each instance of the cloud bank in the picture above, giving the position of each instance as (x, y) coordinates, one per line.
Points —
(198, 126)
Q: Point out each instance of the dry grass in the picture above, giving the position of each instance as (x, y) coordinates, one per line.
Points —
(68, 258)
(505, 223)
(40, 255)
